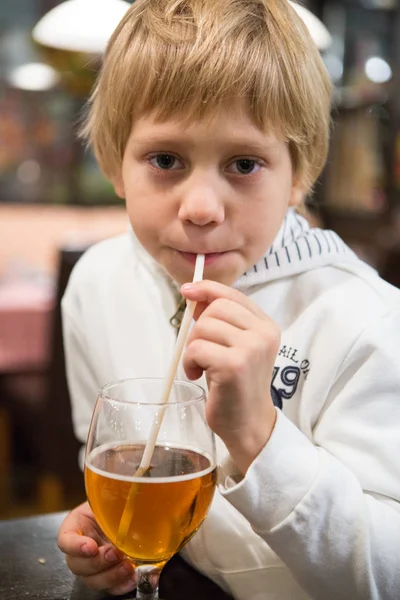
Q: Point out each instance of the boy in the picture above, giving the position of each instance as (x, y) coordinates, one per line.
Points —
(211, 119)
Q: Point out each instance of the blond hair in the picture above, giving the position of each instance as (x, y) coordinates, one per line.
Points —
(186, 57)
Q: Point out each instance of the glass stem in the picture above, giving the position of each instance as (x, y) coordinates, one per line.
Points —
(147, 578)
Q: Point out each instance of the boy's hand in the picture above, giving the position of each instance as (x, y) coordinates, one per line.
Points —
(90, 555)
(236, 344)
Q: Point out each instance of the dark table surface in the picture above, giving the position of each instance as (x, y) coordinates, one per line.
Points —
(32, 567)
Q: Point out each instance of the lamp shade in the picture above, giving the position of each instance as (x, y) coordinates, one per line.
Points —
(317, 29)
(80, 25)
(72, 37)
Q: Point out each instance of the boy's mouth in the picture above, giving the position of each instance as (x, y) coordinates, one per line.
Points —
(209, 258)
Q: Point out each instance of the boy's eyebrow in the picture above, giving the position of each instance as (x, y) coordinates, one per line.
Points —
(150, 140)
(254, 147)
(232, 145)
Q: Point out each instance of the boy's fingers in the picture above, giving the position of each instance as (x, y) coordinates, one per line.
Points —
(74, 543)
(235, 314)
(215, 330)
(201, 355)
(79, 534)
(107, 556)
(204, 292)
(114, 577)
(124, 588)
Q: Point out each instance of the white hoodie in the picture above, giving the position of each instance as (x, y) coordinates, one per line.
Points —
(318, 513)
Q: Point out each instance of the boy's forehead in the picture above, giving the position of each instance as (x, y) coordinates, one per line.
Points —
(234, 123)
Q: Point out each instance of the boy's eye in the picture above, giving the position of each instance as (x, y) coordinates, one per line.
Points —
(245, 166)
(166, 162)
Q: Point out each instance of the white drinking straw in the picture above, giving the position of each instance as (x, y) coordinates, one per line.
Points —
(127, 513)
(180, 343)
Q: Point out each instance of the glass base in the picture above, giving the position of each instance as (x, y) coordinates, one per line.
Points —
(147, 578)
(142, 595)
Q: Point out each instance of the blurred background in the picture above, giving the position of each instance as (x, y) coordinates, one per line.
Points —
(54, 202)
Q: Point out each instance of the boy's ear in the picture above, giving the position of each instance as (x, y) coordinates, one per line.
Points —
(118, 184)
(297, 194)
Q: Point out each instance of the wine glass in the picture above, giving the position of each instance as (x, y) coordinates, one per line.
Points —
(152, 516)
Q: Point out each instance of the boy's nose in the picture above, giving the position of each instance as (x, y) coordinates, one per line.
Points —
(201, 205)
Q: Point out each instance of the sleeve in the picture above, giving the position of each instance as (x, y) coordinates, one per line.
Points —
(82, 382)
(330, 507)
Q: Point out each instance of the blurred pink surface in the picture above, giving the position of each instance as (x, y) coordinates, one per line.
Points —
(25, 325)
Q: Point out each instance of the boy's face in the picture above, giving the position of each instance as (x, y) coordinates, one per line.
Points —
(218, 187)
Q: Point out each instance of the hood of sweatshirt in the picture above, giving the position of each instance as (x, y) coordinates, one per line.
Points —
(297, 248)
